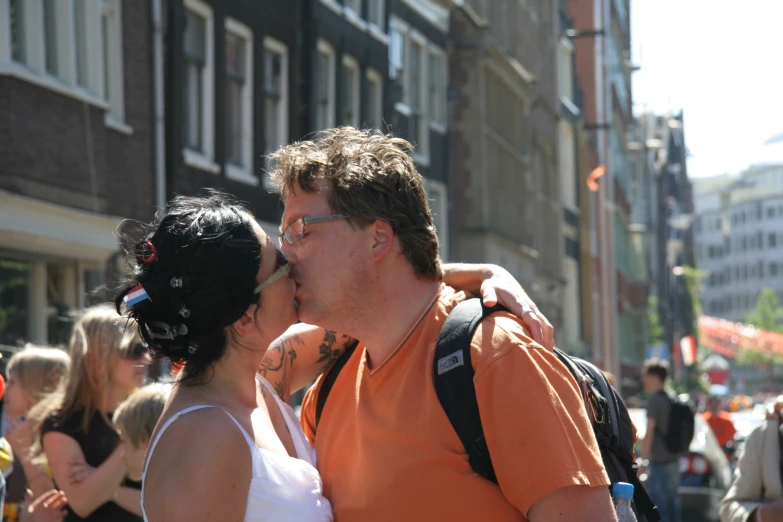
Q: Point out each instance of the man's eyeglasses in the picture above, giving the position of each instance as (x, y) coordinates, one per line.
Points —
(295, 231)
(283, 267)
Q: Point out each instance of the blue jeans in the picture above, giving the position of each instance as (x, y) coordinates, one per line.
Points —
(662, 484)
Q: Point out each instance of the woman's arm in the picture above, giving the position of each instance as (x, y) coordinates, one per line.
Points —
(37, 479)
(20, 437)
(128, 499)
(496, 285)
(97, 487)
(300, 355)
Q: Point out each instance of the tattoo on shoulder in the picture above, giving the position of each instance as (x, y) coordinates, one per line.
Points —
(331, 349)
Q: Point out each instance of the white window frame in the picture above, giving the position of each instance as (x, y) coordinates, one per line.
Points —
(204, 160)
(324, 47)
(276, 46)
(422, 149)
(351, 63)
(244, 172)
(440, 124)
(438, 192)
(66, 44)
(375, 85)
(33, 67)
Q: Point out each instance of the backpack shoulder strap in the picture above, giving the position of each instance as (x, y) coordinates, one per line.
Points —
(329, 378)
(453, 379)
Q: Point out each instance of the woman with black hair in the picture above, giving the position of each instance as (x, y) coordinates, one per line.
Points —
(211, 291)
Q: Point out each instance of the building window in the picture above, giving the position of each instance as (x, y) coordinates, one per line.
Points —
(198, 79)
(66, 46)
(418, 131)
(773, 270)
(438, 197)
(113, 73)
(350, 92)
(437, 88)
(375, 13)
(239, 101)
(276, 96)
(51, 33)
(374, 118)
(325, 86)
(80, 34)
(770, 212)
(397, 53)
(772, 240)
(16, 26)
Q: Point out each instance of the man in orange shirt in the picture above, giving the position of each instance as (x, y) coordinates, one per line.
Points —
(359, 234)
(719, 421)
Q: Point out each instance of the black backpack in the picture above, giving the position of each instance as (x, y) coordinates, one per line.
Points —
(453, 378)
(681, 426)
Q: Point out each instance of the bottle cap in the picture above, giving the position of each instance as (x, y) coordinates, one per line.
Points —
(622, 490)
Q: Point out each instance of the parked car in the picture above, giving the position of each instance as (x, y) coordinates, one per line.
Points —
(705, 471)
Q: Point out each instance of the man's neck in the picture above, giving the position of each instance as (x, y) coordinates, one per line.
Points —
(390, 314)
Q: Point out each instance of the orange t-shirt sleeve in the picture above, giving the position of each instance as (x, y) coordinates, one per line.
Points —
(536, 427)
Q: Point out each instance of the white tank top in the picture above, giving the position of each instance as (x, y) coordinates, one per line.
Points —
(282, 488)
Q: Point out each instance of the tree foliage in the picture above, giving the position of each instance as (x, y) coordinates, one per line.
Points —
(767, 315)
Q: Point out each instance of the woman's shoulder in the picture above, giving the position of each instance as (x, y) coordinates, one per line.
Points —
(56, 420)
(184, 455)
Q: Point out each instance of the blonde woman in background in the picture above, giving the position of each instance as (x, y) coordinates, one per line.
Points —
(33, 374)
(87, 458)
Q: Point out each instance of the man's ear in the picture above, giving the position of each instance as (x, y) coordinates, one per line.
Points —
(382, 239)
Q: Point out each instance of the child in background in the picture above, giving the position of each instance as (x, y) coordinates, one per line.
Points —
(33, 373)
(135, 419)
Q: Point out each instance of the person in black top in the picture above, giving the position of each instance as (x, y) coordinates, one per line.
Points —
(85, 453)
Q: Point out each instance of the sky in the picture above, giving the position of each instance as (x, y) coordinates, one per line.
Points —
(721, 62)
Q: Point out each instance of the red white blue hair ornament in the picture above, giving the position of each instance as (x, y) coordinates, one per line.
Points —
(136, 296)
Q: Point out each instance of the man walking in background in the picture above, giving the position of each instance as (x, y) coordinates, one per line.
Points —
(664, 472)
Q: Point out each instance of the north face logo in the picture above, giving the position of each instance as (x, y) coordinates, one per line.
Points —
(450, 362)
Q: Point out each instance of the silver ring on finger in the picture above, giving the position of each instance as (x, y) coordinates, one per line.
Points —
(526, 310)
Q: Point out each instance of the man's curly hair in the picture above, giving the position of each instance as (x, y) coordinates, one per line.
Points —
(372, 176)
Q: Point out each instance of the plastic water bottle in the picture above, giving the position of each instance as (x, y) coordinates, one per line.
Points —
(622, 493)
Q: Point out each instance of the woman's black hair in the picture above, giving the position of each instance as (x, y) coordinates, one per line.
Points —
(199, 267)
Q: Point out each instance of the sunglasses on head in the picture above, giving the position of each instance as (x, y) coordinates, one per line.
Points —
(282, 267)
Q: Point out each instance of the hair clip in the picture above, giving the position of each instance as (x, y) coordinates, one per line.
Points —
(184, 312)
(161, 330)
(153, 256)
(176, 282)
(136, 295)
(192, 348)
